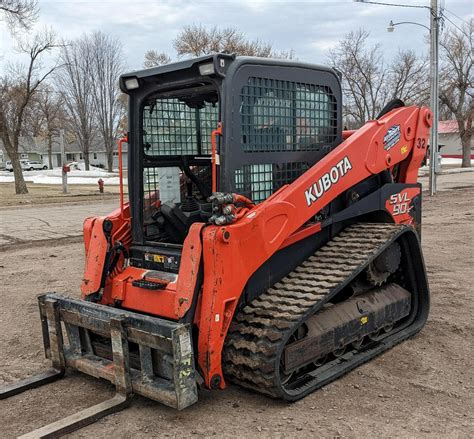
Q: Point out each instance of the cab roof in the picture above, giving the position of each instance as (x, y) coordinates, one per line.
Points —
(221, 64)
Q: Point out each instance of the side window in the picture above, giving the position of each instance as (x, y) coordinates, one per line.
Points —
(285, 116)
(259, 181)
(281, 117)
(173, 128)
(315, 120)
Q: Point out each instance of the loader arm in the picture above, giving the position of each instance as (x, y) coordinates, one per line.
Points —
(111, 237)
(229, 252)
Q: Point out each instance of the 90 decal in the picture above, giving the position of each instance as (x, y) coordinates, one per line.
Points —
(402, 206)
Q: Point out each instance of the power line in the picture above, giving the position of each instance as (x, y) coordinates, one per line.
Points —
(456, 26)
(457, 16)
(392, 4)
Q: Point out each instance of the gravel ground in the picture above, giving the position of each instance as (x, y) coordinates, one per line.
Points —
(421, 388)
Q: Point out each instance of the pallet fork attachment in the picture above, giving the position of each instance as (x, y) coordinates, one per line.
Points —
(160, 368)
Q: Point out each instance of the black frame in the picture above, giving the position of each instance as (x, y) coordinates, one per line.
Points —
(239, 72)
(137, 160)
(230, 75)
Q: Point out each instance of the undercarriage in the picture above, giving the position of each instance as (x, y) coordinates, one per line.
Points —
(329, 315)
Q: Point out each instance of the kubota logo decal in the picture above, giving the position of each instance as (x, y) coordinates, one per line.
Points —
(318, 189)
(391, 137)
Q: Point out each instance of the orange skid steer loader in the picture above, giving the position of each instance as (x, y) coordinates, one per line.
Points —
(261, 244)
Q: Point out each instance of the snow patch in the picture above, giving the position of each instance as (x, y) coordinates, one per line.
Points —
(78, 175)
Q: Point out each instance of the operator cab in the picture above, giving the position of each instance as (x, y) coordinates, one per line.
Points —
(176, 151)
(278, 119)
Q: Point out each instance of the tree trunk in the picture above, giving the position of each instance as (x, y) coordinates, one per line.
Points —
(110, 154)
(466, 151)
(12, 151)
(110, 162)
(20, 184)
(86, 160)
(50, 151)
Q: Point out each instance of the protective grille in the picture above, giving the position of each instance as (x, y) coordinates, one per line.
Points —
(259, 181)
(286, 116)
(150, 191)
(170, 127)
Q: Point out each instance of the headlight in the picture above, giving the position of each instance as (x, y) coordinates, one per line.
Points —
(206, 69)
(131, 83)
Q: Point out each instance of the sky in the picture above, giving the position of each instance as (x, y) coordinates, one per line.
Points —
(309, 28)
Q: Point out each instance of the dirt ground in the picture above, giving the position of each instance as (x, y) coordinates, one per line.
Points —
(47, 194)
(421, 388)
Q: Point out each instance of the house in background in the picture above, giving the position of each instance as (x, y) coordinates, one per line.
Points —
(448, 136)
(27, 151)
(35, 148)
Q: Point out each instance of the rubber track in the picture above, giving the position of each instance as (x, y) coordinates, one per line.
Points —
(254, 342)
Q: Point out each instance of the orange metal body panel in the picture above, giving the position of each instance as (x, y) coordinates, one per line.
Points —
(188, 271)
(155, 302)
(120, 145)
(96, 253)
(259, 234)
(229, 259)
(172, 302)
(347, 133)
(214, 155)
(415, 155)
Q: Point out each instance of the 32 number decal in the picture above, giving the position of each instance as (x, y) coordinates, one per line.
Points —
(421, 143)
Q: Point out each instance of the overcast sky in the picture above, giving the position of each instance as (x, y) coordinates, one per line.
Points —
(310, 28)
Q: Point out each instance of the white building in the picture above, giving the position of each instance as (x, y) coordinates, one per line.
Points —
(37, 149)
(449, 139)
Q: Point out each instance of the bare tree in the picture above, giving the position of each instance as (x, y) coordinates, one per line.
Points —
(408, 78)
(74, 82)
(368, 83)
(19, 13)
(196, 40)
(363, 76)
(154, 59)
(107, 65)
(457, 83)
(50, 112)
(17, 88)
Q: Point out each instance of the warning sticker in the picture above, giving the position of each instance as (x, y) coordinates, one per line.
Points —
(391, 138)
(185, 344)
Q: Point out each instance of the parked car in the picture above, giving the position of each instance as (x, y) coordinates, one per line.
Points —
(31, 166)
(26, 165)
(9, 167)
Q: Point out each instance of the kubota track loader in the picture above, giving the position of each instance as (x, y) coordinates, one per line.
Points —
(261, 244)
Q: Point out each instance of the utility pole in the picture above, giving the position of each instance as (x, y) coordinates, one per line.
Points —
(434, 79)
(63, 160)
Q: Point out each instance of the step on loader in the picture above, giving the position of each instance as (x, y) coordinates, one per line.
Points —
(261, 244)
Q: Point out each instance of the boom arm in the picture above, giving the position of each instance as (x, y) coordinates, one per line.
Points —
(398, 138)
(363, 154)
